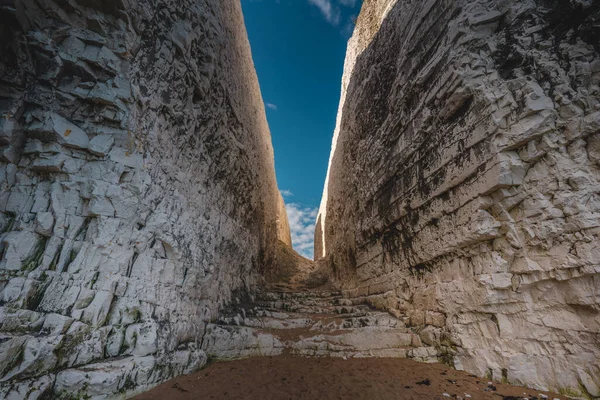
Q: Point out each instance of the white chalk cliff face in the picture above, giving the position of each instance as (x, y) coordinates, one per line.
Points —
(463, 182)
(137, 189)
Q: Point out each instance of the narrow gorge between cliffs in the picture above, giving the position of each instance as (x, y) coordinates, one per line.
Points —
(143, 234)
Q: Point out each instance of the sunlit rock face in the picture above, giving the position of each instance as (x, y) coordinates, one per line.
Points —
(283, 224)
(463, 184)
(138, 189)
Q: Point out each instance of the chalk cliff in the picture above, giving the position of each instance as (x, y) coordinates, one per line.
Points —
(463, 182)
(138, 189)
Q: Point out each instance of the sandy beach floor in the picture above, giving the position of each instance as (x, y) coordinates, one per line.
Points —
(334, 378)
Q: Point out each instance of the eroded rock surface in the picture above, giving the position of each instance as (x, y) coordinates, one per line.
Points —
(463, 183)
(137, 189)
(314, 323)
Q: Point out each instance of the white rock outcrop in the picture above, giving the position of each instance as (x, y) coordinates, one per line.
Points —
(463, 182)
(137, 190)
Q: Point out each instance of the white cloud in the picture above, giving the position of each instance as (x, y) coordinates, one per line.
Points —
(329, 11)
(286, 193)
(349, 27)
(348, 3)
(302, 226)
(271, 106)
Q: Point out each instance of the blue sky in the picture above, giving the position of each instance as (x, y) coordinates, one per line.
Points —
(298, 47)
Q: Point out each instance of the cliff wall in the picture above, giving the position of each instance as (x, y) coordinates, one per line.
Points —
(138, 189)
(462, 189)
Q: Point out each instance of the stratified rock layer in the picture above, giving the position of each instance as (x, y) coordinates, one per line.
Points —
(313, 324)
(138, 189)
(463, 182)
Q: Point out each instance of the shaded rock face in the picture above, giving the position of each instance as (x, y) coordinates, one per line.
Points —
(138, 189)
(463, 182)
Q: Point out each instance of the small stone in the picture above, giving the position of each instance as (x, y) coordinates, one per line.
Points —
(53, 163)
(65, 132)
(101, 206)
(44, 223)
(95, 314)
(101, 144)
(486, 18)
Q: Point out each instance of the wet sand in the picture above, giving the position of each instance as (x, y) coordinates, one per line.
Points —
(288, 377)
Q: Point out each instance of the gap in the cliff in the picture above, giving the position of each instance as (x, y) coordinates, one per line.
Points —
(298, 49)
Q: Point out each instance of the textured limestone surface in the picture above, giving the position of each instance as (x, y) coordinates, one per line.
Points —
(283, 224)
(463, 185)
(137, 189)
(316, 323)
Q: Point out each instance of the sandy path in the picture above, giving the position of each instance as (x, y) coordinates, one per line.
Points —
(333, 378)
